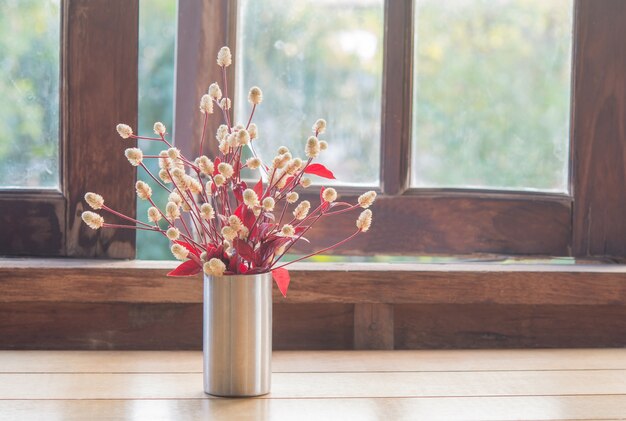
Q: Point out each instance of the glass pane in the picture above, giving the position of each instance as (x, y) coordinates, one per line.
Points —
(29, 88)
(157, 37)
(492, 94)
(315, 59)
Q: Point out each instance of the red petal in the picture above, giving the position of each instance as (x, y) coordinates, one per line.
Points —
(320, 170)
(258, 188)
(187, 268)
(189, 247)
(281, 276)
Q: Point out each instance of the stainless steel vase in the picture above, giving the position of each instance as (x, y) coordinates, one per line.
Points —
(237, 337)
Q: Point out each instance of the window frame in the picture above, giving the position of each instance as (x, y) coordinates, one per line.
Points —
(98, 85)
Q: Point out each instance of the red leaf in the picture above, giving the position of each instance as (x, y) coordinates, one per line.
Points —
(189, 247)
(216, 163)
(281, 276)
(258, 188)
(244, 250)
(187, 268)
(320, 170)
(300, 229)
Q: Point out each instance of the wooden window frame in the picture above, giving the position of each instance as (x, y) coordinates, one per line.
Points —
(98, 89)
(583, 223)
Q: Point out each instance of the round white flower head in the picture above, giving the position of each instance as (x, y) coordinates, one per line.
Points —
(293, 166)
(320, 126)
(164, 176)
(292, 197)
(255, 96)
(206, 211)
(173, 153)
(312, 149)
(194, 185)
(223, 147)
(253, 163)
(206, 165)
(231, 139)
(282, 150)
(159, 128)
(172, 233)
(235, 222)
(302, 210)
(222, 132)
(174, 197)
(179, 251)
(250, 198)
(253, 130)
(288, 230)
(329, 195)
(164, 160)
(153, 214)
(172, 211)
(215, 92)
(366, 199)
(364, 220)
(92, 219)
(225, 169)
(134, 156)
(124, 130)
(268, 204)
(219, 180)
(206, 104)
(323, 145)
(94, 200)
(229, 233)
(243, 137)
(237, 127)
(305, 182)
(143, 190)
(214, 267)
(225, 103)
(224, 58)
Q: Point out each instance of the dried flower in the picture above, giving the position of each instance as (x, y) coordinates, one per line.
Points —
(305, 182)
(253, 130)
(164, 161)
(95, 201)
(124, 130)
(282, 150)
(172, 211)
(225, 169)
(143, 190)
(206, 211)
(179, 251)
(92, 219)
(164, 176)
(225, 103)
(159, 128)
(224, 58)
(173, 153)
(288, 230)
(292, 197)
(173, 233)
(329, 195)
(229, 232)
(134, 156)
(214, 267)
(320, 126)
(312, 149)
(206, 165)
(223, 147)
(302, 210)
(250, 198)
(219, 180)
(222, 132)
(243, 137)
(255, 96)
(194, 185)
(268, 204)
(215, 92)
(206, 104)
(323, 145)
(235, 222)
(366, 199)
(293, 166)
(253, 163)
(153, 214)
(364, 220)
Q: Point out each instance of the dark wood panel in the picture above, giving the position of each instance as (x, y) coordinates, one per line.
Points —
(99, 81)
(373, 326)
(33, 224)
(452, 224)
(599, 129)
(509, 326)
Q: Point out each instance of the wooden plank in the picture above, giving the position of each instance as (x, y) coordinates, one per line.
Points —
(373, 326)
(56, 280)
(100, 83)
(318, 385)
(319, 361)
(427, 326)
(449, 409)
(599, 131)
(34, 223)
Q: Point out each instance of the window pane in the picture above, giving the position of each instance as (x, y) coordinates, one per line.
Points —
(29, 88)
(315, 59)
(157, 35)
(492, 94)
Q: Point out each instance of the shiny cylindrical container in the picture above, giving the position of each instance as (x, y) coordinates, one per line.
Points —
(237, 335)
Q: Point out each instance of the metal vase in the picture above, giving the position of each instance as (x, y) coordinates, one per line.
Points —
(237, 335)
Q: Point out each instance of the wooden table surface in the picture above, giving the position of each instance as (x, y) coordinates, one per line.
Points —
(319, 385)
